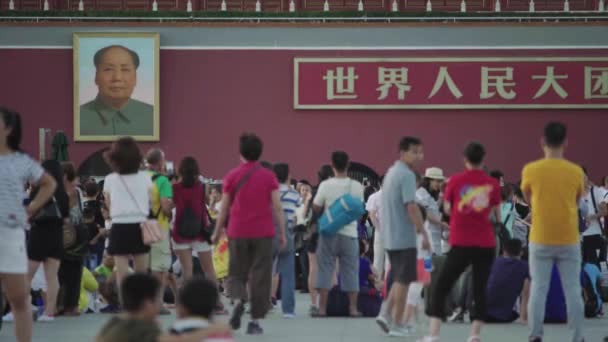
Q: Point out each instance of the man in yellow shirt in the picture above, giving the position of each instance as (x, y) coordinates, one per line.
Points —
(553, 186)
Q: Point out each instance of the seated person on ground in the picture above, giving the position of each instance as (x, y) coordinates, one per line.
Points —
(370, 298)
(367, 276)
(104, 271)
(106, 279)
(141, 304)
(591, 281)
(88, 289)
(509, 280)
(196, 302)
(138, 323)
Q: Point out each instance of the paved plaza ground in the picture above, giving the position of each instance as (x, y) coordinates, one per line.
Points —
(306, 329)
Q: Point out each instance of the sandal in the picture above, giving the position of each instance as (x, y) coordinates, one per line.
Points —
(316, 313)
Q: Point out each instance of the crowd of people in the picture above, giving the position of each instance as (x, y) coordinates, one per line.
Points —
(142, 242)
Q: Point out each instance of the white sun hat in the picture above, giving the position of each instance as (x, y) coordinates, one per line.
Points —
(434, 173)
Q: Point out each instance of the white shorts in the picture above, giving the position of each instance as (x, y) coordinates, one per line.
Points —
(13, 253)
(414, 295)
(196, 247)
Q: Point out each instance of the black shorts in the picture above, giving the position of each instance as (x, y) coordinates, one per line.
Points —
(312, 243)
(125, 239)
(403, 265)
(45, 241)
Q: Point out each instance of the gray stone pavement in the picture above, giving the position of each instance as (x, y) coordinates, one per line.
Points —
(305, 329)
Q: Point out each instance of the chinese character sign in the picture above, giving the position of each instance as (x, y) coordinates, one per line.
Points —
(451, 83)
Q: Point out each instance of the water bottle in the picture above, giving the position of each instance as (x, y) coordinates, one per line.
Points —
(428, 262)
(39, 304)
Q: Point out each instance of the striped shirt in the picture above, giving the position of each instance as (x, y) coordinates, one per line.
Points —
(290, 201)
(18, 169)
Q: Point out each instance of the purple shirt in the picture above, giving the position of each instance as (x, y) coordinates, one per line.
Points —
(504, 287)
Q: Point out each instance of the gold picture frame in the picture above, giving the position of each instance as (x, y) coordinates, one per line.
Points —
(112, 97)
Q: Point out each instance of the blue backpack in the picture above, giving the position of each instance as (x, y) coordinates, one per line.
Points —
(343, 211)
(590, 282)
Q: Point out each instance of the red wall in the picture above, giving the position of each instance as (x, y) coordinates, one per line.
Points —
(209, 97)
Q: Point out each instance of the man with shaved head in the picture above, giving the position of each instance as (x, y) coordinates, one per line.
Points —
(113, 111)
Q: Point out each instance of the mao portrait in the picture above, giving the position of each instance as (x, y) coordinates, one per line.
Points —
(116, 86)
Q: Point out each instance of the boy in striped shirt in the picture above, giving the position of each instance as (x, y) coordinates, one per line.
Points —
(290, 200)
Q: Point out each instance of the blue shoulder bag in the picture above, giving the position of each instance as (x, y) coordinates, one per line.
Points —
(343, 211)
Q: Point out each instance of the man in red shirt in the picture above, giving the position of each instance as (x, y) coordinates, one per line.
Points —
(470, 198)
(251, 197)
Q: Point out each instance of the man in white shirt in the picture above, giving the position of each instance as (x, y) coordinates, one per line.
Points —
(344, 245)
(594, 244)
(373, 208)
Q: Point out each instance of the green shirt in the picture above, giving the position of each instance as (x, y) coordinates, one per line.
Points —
(103, 271)
(163, 189)
(136, 118)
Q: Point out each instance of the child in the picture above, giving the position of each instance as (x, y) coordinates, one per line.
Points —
(106, 278)
(90, 200)
(414, 301)
(195, 304)
(220, 260)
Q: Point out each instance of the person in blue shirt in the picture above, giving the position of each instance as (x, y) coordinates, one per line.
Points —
(591, 278)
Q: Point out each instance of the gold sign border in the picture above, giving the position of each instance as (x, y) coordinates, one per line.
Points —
(302, 60)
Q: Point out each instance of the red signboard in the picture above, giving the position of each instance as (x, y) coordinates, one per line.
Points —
(451, 83)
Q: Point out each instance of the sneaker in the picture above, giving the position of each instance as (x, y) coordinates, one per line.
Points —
(237, 314)
(457, 316)
(397, 331)
(8, 317)
(254, 329)
(428, 339)
(46, 319)
(384, 323)
(289, 316)
(536, 339)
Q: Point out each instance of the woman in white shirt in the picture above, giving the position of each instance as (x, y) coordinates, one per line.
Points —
(427, 196)
(127, 194)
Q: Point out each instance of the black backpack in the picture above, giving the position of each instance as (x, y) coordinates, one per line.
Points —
(191, 225)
